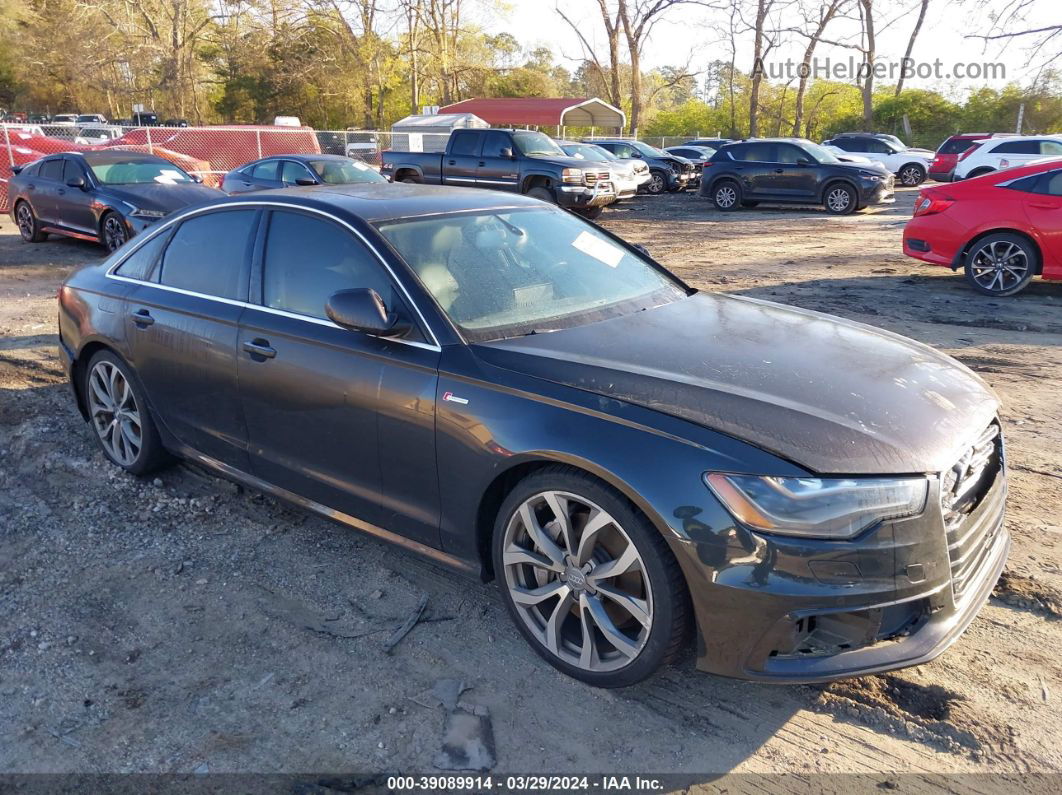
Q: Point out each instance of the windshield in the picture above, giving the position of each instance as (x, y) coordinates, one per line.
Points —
(344, 172)
(536, 143)
(515, 272)
(645, 149)
(820, 153)
(585, 152)
(138, 172)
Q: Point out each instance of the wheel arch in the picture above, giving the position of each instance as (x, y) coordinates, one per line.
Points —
(960, 258)
(408, 171)
(536, 180)
(722, 178)
(833, 181)
(80, 362)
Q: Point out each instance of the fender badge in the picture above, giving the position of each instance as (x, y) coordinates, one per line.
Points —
(452, 398)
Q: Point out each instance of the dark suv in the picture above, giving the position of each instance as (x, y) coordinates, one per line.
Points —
(791, 170)
(667, 172)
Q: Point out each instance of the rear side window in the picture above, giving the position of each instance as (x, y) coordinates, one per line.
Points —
(956, 146)
(52, 169)
(1026, 184)
(307, 259)
(759, 152)
(208, 253)
(1017, 148)
(266, 170)
(465, 143)
(141, 262)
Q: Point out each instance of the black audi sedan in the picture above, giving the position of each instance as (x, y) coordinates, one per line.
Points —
(288, 171)
(493, 382)
(105, 196)
(792, 171)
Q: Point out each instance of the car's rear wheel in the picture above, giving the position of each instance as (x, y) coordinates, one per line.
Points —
(912, 175)
(120, 417)
(726, 195)
(589, 582)
(28, 225)
(113, 232)
(1001, 264)
(657, 183)
(979, 172)
(840, 199)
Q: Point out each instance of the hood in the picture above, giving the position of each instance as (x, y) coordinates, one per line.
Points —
(155, 196)
(831, 395)
(917, 150)
(870, 165)
(571, 162)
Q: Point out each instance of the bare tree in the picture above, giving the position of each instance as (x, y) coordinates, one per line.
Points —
(813, 29)
(924, 4)
(608, 71)
(869, 50)
(1011, 26)
(760, 42)
(638, 18)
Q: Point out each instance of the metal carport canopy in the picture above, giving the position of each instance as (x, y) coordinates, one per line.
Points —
(542, 111)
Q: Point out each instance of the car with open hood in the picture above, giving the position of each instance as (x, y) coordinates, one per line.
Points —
(498, 384)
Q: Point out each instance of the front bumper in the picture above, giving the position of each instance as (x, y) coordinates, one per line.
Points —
(878, 192)
(787, 610)
(942, 176)
(576, 196)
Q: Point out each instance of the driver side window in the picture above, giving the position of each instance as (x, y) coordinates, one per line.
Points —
(291, 171)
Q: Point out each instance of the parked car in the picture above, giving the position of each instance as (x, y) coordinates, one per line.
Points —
(65, 119)
(90, 118)
(363, 145)
(909, 165)
(713, 143)
(96, 134)
(792, 170)
(666, 172)
(1003, 228)
(698, 155)
(518, 161)
(145, 118)
(105, 196)
(174, 123)
(648, 464)
(287, 171)
(846, 157)
(627, 175)
(996, 153)
(947, 155)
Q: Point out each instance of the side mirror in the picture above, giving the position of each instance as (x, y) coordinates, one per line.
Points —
(76, 182)
(507, 152)
(196, 178)
(803, 161)
(643, 250)
(363, 310)
(305, 181)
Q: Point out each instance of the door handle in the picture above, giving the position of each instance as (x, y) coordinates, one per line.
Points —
(779, 171)
(481, 164)
(142, 318)
(451, 162)
(62, 192)
(260, 347)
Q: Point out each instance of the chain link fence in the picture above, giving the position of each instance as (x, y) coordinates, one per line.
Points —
(211, 152)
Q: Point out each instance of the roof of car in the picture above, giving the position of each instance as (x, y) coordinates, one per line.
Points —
(375, 202)
(103, 156)
(303, 157)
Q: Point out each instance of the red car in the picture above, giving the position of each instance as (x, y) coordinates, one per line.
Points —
(943, 163)
(1003, 228)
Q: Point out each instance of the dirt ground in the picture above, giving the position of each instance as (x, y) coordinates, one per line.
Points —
(182, 624)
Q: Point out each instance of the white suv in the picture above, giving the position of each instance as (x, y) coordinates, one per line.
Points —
(996, 153)
(909, 165)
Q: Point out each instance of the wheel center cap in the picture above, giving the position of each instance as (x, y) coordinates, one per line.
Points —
(576, 578)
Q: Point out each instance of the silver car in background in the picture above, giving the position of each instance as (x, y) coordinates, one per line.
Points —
(628, 176)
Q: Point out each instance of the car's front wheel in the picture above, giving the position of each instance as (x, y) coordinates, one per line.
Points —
(657, 183)
(912, 175)
(120, 417)
(113, 232)
(1001, 264)
(840, 199)
(589, 582)
(28, 225)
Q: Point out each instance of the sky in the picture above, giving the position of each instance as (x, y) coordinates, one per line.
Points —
(686, 34)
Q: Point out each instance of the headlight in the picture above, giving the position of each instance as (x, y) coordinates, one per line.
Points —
(139, 212)
(870, 175)
(836, 508)
(572, 176)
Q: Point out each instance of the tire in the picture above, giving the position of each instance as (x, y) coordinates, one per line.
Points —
(102, 387)
(840, 199)
(912, 175)
(544, 194)
(1001, 264)
(592, 213)
(409, 181)
(29, 227)
(549, 596)
(657, 183)
(113, 231)
(979, 172)
(726, 195)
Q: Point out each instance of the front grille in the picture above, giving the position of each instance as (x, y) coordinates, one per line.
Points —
(963, 489)
(594, 177)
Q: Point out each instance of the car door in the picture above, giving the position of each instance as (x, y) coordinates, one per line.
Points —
(461, 161)
(337, 416)
(1013, 153)
(796, 174)
(182, 326)
(1044, 209)
(74, 204)
(759, 170)
(43, 190)
(496, 170)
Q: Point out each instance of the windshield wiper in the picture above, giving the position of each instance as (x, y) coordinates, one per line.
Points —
(514, 229)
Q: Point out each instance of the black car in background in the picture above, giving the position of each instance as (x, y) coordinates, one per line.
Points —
(712, 143)
(795, 171)
(287, 171)
(492, 381)
(666, 172)
(106, 196)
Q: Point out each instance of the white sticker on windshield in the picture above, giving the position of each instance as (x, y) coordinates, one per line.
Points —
(359, 165)
(598, 249)
(168, 176)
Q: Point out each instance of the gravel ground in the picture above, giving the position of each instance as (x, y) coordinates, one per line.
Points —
(182, 624)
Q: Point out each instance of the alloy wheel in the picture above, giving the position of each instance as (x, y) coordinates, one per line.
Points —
(115, 413)
(656, 183)
(114, 233)
(911, 176)
(838, 200)
(26, 222)
(577, 581)
(999, 265)
(725, 196)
